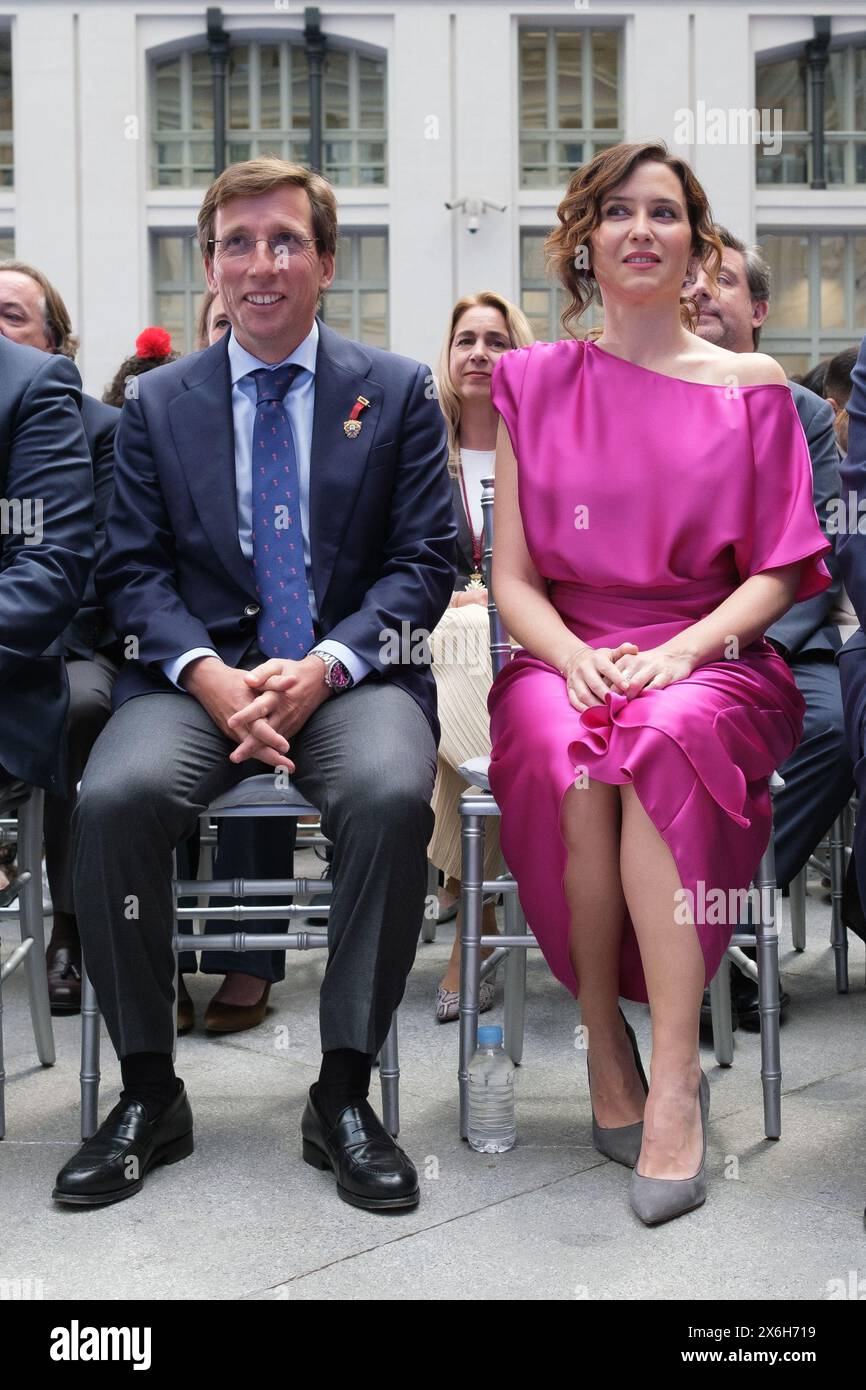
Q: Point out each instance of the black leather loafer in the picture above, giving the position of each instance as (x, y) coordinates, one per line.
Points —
(114, 1163)
(371, 1169)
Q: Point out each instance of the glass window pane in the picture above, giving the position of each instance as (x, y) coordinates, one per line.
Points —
(834, 91)
(569, 80)
(834, 160)
(832, 282)
(300, 87)
(858, 308)
(531, 258)
(202, 91)
(169, 260)
(373, 263)
(794, 363)
(5, 80)
(536, 306)
(201, 154)
(605, 79)
(238, 150)
(6, 166)
(371, 82)
(789, 264)
(239, 87)
(170, 315)
(338, 311)
(533, 80)
(336, 91)
(374, 312)
(783, 85)
(269, 93)
(167, 95)
(860, 87)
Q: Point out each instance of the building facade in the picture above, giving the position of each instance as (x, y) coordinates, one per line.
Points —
(107, 112)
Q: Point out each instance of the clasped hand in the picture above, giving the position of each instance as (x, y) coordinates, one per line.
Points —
(288, 693)
(594, 671)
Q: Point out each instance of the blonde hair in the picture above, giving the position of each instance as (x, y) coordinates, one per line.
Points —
(579, 214)
(58, 324)
(256, 176)
(519, 335)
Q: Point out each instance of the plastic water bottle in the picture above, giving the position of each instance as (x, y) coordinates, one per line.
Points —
(492, 1128)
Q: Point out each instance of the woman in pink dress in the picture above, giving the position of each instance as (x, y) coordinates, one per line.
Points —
(654, 516)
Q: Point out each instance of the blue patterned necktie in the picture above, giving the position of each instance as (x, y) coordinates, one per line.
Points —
(285, 624)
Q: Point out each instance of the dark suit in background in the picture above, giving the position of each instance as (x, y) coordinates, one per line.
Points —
(90, 652)
(174, 575)
(44, 469)
(818, 775)
(852, 565)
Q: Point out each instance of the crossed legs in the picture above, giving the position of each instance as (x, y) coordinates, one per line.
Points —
(617, 861)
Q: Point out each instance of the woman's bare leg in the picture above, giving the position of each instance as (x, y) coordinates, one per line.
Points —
(590, 824)
(673, 966)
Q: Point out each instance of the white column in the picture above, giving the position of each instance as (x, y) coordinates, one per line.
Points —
(656, 73)
(114, 147)
(44, 43)
(420, 136)
(485, 157)
(725, 82)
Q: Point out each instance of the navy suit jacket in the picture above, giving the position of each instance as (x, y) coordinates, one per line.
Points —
(807, 626)
(851, 549)
(382, 530)
(90, 629)
(44, 461)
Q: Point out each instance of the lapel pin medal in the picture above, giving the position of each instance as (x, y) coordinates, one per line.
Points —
(352, 426)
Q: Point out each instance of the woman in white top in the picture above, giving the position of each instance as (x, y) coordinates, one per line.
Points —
(483, 326)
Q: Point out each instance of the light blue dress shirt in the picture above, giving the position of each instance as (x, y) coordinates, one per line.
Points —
(298, 404)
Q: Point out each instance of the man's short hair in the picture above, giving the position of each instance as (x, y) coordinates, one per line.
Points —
(837, 379)
(256, 176)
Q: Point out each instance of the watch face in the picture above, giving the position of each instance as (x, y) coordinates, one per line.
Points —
(338, 676)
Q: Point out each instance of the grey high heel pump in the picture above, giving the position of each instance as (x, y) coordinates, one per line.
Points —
(661, 1199)
(622, 1142)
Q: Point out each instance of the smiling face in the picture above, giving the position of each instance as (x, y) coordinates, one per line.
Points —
(479, 340)
(729, 317)
(640, 248)
(22, 310)
(270, 300)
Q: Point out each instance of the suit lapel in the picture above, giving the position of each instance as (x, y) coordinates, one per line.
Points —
(203, 430)
(337, 463)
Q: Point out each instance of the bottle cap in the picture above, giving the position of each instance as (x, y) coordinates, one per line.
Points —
(489, 1036)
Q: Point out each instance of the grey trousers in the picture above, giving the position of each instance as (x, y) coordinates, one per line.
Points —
(366, 760)
(90, 686)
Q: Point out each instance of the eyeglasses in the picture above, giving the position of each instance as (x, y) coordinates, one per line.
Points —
(283, 245)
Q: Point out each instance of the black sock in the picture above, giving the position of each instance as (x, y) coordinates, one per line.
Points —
(149, 1077)
(344, 1079)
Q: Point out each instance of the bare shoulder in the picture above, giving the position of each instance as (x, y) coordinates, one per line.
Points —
(758, 369)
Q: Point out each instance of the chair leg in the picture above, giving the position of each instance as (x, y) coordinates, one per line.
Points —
(720, 1005)
(472, 867)
(767, 937)
(797, 908)
(2, 1072)
(515, 979)
(389, 1079)
(838, 932)
(428, 924)
(32, 925)
(89, 1056)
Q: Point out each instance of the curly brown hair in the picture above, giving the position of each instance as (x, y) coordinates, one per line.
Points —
(579, 214)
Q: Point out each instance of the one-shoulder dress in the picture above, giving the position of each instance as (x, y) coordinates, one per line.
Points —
(646, 500)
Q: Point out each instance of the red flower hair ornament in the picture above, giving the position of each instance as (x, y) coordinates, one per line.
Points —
(153, 342)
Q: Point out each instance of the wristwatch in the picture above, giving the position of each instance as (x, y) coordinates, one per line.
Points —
(337, 677)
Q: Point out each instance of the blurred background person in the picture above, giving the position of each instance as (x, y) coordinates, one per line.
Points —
(32, 311)
(483, 326)
(818, 775)
(152, 349)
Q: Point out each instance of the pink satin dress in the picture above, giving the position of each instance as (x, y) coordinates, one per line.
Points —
(646, 500)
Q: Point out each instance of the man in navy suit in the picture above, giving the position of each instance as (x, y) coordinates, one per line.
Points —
(32, 311)
(851, 548)
(46, 548)
(280, 534)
